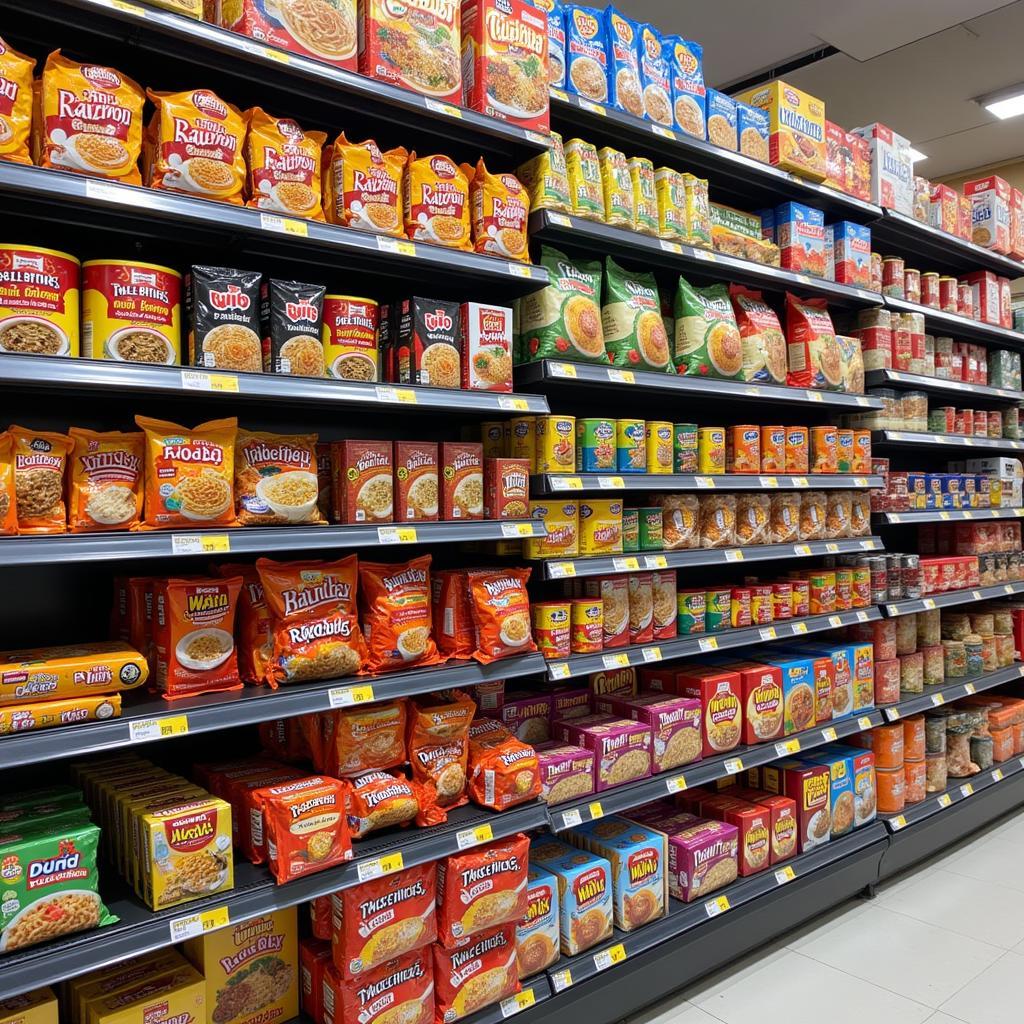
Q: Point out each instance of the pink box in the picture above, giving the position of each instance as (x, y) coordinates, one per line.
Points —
(990, 212)
(570, 702)
(693, 855)
(674, 723)
(622, 749)
(985, 293)
(944, 208)
(892, 170)
(566, 772)
(527, 716)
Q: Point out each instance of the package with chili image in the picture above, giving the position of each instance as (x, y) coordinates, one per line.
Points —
(482, 888)
(417, 484)
(474, 973)
(222, 306)
(399, 991)
(503, 771)
(316, 630)
(428, 342)
(501, 613)
(194, 634)
(353, 741)
(438, 748)
(506, 488)
(292, 321)
(396, 617)
(305, 826)
(453, 614)
(385, 918)
(379, 800)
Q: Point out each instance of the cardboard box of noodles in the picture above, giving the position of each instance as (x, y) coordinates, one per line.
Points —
(796, 127)
(177, 997)
(38, 1007)
(73, 670)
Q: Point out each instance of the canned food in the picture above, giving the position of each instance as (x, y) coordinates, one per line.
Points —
(879, 579)
(739, 607)
(973, 651)
(801, 598)
(844, 451)
(658, 437)
(39, 297)
(844, 589)
(910, 576)
(824, 449)
(350, 338)
(930, 289)
(862, 451)
(948, 294)
(711, 450)
(684, 448)
(690, 611)
(782, 601)
(894, 576)
(797, 450)
(861, 586)
(761, 605)
(718, 608)
(773, 449)
(822, 593)
(631, 446)
(743, 449)
(595, 446)
(876, 271)
(586, 625)
(600, 527)
(651, 538)
(556, 444)
(912, 285)
(551, 628)
(492, 437)
(892, 277)
(523, 440)
(964, 301)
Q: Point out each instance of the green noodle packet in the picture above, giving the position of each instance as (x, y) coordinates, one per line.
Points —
(634, 331)
(707, 340)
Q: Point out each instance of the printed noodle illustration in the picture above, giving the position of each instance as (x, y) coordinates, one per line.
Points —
(257, 985)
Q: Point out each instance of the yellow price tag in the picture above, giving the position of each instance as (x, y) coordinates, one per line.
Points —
(860, 481)
(519, 270)
(863, 723)
(719, 905)
(617, 953)
(621, 376)
(898, 822)
(561, 570)
(676, 784)
(769, 633)
(560, 94)
(200, 543)
(784, 875)
(346, 696)
(610, 483)
(514, 404)
(829, 735)
(561, 980)
(734, 555)
(468, 837)
(708, 643)
(791, 746)
(969, 688)
(893, 714)
(937, 699)
(651, 653)
(396, 534)
(1009, 589)
(566, 483)
(199, 924)
(517, 1003)
(120, 5)
(800, 481)
(157, 728)
(625, 564)
(199, 380)
(594, 108)
(929, 603)
(443, 108)
(814, 396)
(769, 481)
(997, 775)
(945, 800)
(615, 661)
(734, 765)
(967, 789)
(665, 133)
(835, 621)
(400, 246)
(655, 562)
(596, 811)
(673, 247)
(560, 670)
(387, 864)
(799, 627)
(704, 482)
(510, 530)
(944, 516)
(284, 225)
(563, 370)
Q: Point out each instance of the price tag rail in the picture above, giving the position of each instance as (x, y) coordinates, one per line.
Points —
(916, 439)
(558, 483)
(951, 598)
(936, 696)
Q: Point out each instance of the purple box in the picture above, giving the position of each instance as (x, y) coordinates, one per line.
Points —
(701, 859)
(622, 748)
(570, 702)
(566, 772)
(674, 723)
(527, 715)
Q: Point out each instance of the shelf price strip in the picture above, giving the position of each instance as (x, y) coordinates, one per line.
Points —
(157, 728)
(468, 837)
(605, 958)
(199, 924)
(517, 1003)
(387, 864)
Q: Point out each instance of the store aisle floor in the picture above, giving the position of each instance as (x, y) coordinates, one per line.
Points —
(941, 944)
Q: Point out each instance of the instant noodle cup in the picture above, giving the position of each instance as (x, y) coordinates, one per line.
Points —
(546, 178)
(634, 332)
(316, 631)
(39, 299)
(105, 480)
(503, 771)
(658, 442)
(436, 202)
(199, 145)
(814, 357)
(377, 921)
(40, 459)
(707, 340)
(363, 186)
(194, 636)
(284, 163)
(763, 343)
(482, 888)
(379, 800)
(326, 32)
(90, 120)
(275, 479)
(305, 825)
(8, 500)
(499, 210)
(743, 449)
(645, 197)
(586, 187)
(438, 748)
(711, 450)
(501, 613)
(773, 449)
(551, 628)
(16, 71)
(396, 614)
(189, 473)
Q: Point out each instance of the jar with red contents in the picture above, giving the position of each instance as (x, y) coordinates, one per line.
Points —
(948, 298)
(892, 277)
(930, 289)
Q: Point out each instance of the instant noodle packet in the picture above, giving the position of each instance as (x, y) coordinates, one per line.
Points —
(501, 613)
(634, 332)
(815, 360)
(45, 715)
(255, 634)
(622, 41)
(476, 972)
(617, 188)
(316, 630)
(363, 186)
(8, 499)
(482, 888)
(438, 749)
(306, 826)
(90, 120)
(583, 171)
(499, 209)
(436, 202)
(670, 192)
(40, 459)
(503, 771)
(16, 72)
(284, 164)
(546, 178)
(385, 918)
(275, 479)
(707, 340)
(399, 991)
(452, 613)
(106, 480)
(198, 145)
(189, 473)
(396, 614)
(354, 741)
(380, 800)
(764, 344)
(645, 199)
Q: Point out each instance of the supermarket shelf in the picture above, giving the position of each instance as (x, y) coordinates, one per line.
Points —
(936, 696)
(550, 374)
(106, 547)
(89, 376)
(556, 569)
(934, 249)
(910, 439)
(686, 646)
(557, 483)
(700, 773)
(691, 931)
(151, 213)
(151, 719)
(951, 598)
(962, 328)
(592, 236)
(934, 385)
(162, 34)
(945, 515)
(730, 174)
(141, 930)
(945, 818)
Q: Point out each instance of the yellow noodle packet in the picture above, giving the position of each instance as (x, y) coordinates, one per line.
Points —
(583, 169)
(670, 192)
(617, 188)
(546, 180)
(645, 200)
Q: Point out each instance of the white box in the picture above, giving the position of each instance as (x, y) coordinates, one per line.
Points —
(892, 170)
(486, 347)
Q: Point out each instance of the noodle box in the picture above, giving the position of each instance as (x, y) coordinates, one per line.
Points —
(841, 788)
(486, 346)
(38, 1007)
(810, 787)
(796, 140)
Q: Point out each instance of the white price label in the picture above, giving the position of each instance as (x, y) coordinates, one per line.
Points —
(561, 570)
(969, 688)
(513, 404)
(945, 800)
(387, 864)
(929, 604)
(561, 980)
(347, 696)
(396, 534)
(898, 822)
(788, 747)
(997, 775)
(566, 483)
(570, 819)
(966, 790)
(611, 661)
(862, 616)
(655, 562)
(734, 765)
(442, 108)
(937, 699)
(676, 784)
(606, 958)
(707, 643)
(284, 225)
(835, 621)
(704, 482)
(560, 219)
(719, 905)
(562, 370)
(734, 555)
(560, 670)
(621, 376)
(400, 246)
(198, 924)
(200, 543)
(829, 735)
(468, 837)
(610, 483)
(784, 875)
(651, 654)
(144, 730)
(517, 1003)
(512, 530)
(627, 564)
(769, 633)
(200, 380)
(108, 192)
(864, 722)
(673, 247)
(405, 396)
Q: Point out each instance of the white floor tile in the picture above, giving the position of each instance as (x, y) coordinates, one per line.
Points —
(1012, 829)
(767, 995)
(901, 954)
(996, 859)
(674, 1010)
(943, 1018)
(993, 997)
(817, 928)
(983, 910)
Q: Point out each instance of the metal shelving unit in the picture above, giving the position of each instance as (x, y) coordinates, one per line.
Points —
(111, 547)
(953, 389)
(555, 569)
(945, 515)
(141, 930)
(550, 375)
(558, 483)
(686, 646)
(911, 439)
(951, 598)
(963, 328)
(944, 693)
(579, 233)
(148, 719)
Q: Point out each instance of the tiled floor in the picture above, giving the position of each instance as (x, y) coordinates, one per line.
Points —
(942, 944)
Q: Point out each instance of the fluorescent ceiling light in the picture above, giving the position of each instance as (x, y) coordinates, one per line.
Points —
(1004, 104)
(916, 155)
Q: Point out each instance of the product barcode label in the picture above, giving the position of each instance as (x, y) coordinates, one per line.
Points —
(651, 653)
(570, 819)
(467, 837)
(396, 534)
(511, 530)
(734, 765)
(200, 380)
(562, 370)
(387, 864)
(611, 661)
(769, 633)
(791, 746)
(708, 643)
(284, 225)
(198, 924)
(157, 728)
